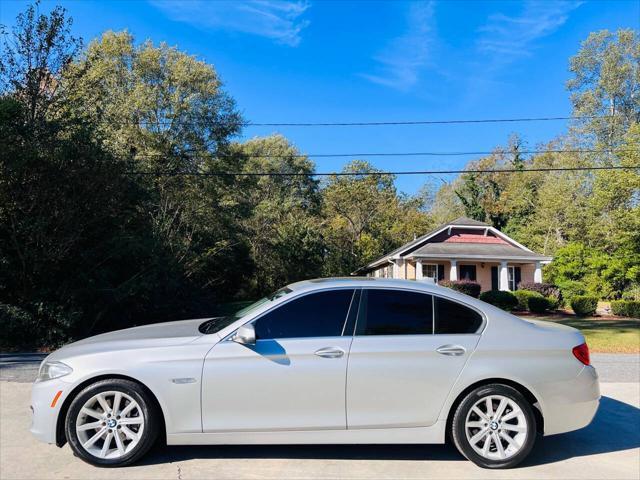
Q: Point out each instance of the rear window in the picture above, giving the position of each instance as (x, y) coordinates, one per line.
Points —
(452, 317)
(397, 312)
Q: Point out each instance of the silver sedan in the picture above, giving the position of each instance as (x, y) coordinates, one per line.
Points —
(330, 361)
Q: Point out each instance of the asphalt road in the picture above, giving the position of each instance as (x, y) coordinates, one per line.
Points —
(608, 449)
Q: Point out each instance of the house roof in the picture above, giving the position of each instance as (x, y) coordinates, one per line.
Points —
(414, 246)
(473, 250)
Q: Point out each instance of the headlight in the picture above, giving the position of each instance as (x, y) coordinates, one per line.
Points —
(51, 370)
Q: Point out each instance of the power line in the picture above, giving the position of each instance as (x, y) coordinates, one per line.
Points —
(396, 173)
(422, 122)
(387, 154)
(367, 124)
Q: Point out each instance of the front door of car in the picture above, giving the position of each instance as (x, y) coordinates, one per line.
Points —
(400, 372)
(292, 378)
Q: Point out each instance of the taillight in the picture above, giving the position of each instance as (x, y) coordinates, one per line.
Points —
(581, 352)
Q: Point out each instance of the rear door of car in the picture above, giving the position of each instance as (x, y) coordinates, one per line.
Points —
(293, 378)
(408, 349)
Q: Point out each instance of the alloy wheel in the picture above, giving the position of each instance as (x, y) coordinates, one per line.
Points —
(110, 425)
(496, 427)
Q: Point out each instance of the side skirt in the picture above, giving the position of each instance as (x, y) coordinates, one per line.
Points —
(433, 434)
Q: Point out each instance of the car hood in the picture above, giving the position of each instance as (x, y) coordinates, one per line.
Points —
(155, 335)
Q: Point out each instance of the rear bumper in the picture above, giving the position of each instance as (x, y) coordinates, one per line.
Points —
(44, 416)
(571, 405)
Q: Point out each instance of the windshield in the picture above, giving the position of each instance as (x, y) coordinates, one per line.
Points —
(214, 325)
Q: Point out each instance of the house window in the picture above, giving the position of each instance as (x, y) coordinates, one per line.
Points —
(512, 278)
(468, 272)
(430, 270)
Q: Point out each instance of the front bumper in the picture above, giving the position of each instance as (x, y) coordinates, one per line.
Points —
(44, 416)
(571, 405)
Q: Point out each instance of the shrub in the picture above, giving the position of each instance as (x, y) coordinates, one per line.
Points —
(523, 297)
(463, 286)
(544, 289)
(540, 304)
(626, 308)
(17, 326)
(37, 324)
(501, 299)
(584, 305)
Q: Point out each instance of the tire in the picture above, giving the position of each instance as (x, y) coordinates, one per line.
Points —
(471, 431)
(92, 422)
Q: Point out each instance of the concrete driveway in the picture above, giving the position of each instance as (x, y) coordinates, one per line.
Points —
(608, 449)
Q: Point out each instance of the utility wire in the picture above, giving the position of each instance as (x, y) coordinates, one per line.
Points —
(365, 124)
(385, 154)
(397, 173)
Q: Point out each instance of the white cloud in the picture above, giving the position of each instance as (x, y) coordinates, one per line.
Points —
(400, 63)
(506, 38)
(279, 20)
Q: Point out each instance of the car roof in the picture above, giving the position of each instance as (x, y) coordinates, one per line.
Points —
(321, 283)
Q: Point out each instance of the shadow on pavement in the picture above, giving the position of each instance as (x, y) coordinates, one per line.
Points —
(616, 427)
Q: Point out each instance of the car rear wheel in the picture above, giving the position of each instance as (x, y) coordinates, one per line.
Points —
(112, 423)
(494, 426)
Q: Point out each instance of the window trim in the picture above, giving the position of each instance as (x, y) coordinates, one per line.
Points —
(296, 297)
(435, 279)
(511, 272)
(362, 310)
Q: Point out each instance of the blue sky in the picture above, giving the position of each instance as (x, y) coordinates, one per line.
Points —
(327, 61)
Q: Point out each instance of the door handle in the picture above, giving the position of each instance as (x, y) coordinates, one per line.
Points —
(451, 350)
(330, 352)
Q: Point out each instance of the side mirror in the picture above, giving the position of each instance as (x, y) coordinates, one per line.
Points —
(246, 335)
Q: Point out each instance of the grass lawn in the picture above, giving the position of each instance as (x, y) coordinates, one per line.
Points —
(604, 335)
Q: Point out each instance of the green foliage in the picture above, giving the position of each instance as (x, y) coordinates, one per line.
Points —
(626, 308)
(86, 247)
(501, 299)
(540, 304)
(606, 74)
(544, 289)
(463, 286)
(523, 297)
(584, 305)
(364, 218)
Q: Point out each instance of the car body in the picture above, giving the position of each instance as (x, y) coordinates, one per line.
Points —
(368, 380)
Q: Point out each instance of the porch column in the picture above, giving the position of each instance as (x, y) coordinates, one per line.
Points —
(418, 269)
(537, 274)
(503, 277)
(453, 272)
(398, 269)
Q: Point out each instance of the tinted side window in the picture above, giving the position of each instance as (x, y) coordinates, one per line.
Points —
(452, 317)
(396, 312)
(319, 314)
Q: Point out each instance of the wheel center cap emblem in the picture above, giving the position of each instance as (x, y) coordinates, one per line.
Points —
(111, 423)
(494, 425)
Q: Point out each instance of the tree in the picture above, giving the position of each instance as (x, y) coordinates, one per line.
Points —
(281, 223)
(34, 57)
(365, 218)
(606, 84)
(166, 115)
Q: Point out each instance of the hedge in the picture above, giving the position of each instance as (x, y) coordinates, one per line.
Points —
(463, 286)
(544, 289)
(584, 305)
(523, 297)
(626, 308)
(501, 299)
(540, 304)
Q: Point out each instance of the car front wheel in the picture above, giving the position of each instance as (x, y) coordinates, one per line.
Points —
(494, 426)
(111, 423)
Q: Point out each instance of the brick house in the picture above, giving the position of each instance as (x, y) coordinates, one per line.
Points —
(463, 249)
